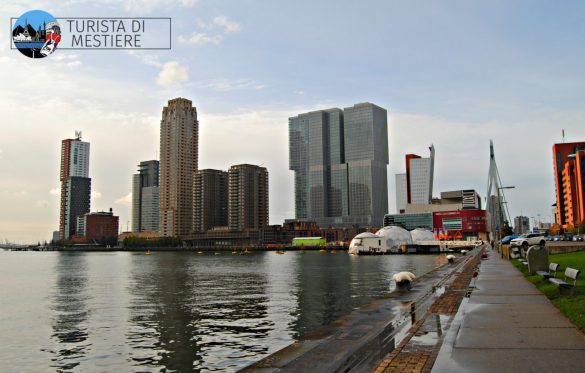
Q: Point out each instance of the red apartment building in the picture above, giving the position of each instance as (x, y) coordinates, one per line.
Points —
(569, 163)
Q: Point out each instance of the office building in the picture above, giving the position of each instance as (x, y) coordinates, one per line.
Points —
(521, 224)
(75, 184)
(210, 200)
(410, 221)
(247, 197)
(340, 163)
(468, 199)
(145, 197)
(419, 178)
(179, 134)
(401, 193)
(569, 167)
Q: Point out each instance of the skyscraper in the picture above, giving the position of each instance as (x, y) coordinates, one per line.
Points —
(569, 161)
(248, 197)
(419, 178)
(145, 197)
(75, 184)
(179, 136)
(401, 193)
(340, 160)
(210, 200)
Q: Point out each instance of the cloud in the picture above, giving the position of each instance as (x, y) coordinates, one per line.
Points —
(200, 38)
(55, 191)
(42, 203)
(227, 25)
(172, 74)
(229, 85)
(95, 194)
(124, 200)
(146, 58)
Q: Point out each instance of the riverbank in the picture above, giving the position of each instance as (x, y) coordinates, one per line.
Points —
(507, 325)
(572, 306)
(361, 339)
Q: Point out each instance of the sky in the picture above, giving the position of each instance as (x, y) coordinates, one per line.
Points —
(452, 73)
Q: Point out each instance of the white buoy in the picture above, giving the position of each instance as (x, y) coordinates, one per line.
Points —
(463, 252)
(450, 258)
(403, 280)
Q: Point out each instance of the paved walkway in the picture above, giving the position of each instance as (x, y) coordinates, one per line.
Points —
(507, 325)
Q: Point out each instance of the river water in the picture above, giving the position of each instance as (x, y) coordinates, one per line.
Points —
(177, 311)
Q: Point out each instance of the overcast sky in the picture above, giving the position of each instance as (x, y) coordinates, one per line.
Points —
(451, 73)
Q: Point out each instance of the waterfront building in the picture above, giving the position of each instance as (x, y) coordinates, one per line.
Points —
(410, 221)
(569, 161)
(97, 227)
(247, 197)
(401, 193)
(466, 198)
(145, 197)
(75, 184)
(179, 134)
(419, 177)
(521, 224)
(472, 223)
(340, 163)
(210, 200)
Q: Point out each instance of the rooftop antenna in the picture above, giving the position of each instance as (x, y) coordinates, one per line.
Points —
(78, 135)
(563, 135)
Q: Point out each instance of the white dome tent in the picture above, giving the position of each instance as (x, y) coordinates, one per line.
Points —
(394, 236)
(387, 240)
(421, 234)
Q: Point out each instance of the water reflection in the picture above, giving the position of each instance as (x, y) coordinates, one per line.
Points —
(196, 312)
(70, 312)
(180, 311)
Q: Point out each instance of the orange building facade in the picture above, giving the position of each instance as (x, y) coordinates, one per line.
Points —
(569, 162)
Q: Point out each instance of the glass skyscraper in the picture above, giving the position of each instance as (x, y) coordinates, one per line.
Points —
(340, 159)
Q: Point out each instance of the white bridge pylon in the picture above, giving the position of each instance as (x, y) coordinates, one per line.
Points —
(498, 214)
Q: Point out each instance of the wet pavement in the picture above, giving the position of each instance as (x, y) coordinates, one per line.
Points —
(360, 340)
(507, 325)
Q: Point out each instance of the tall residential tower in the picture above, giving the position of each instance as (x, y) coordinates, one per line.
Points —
(210, 200)
(179, 135)
(75, 184)
(145, 197)
(569, 161)
(247, 197)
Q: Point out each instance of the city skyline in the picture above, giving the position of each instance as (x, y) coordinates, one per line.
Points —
(460, 75)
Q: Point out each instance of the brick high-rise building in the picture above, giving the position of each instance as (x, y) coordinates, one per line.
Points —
(248, 197)
(75, 184)
(210, 200)
(569, 161)
(179, 138)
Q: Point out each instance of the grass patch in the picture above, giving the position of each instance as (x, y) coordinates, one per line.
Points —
(571, 306)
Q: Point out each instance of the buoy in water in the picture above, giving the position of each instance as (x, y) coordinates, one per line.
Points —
(451, 258)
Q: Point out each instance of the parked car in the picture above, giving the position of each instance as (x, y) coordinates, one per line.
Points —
(528, 239)
(556, 238)
(506, 240)
(577, 238)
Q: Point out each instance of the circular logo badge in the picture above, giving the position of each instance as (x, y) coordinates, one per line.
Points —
(36, 34)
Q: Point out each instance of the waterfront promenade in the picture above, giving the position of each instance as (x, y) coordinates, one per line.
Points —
(507, 325)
